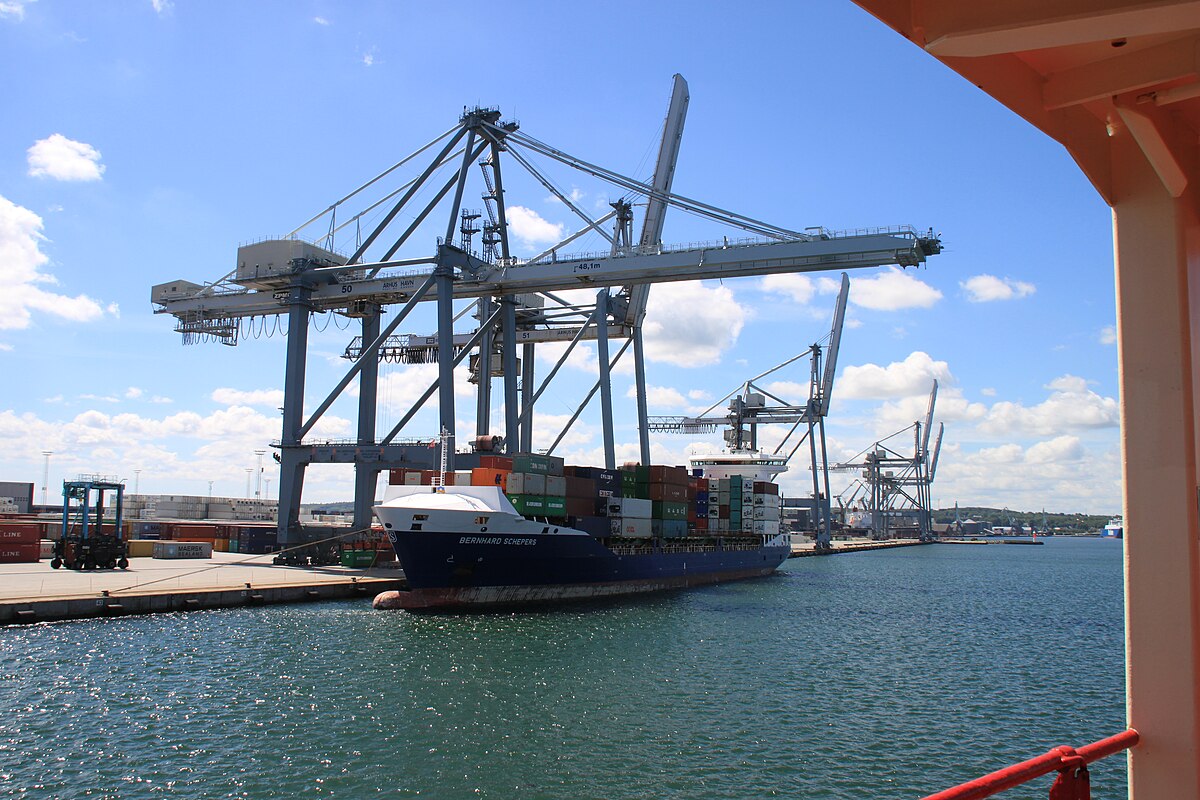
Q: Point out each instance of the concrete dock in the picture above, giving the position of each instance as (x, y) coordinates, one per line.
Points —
(37, 593)
(854, 545)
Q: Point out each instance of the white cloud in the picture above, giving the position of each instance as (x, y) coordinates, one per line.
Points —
(800, 288)
(913, 376)
(582, 358)
(369, 58)
(5, 347)
(660, 396)
(133, 393)
(1068, 383)
(1056, 451)
(64, 159)
(1070, 406)
(712, 324)
(529, 226)
(698, 394)
(987, 391)
(1061, 468)
(1108, 334)
(951, 407)
(989, 288)
(320, 20)
(272, 398)
(13, 9)
(158, 398)
(162, 6)
(893, 290)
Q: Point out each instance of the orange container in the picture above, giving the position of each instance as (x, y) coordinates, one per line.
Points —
(487, 476)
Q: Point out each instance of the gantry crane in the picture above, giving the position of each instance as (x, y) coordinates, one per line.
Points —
(295, 278)
(891, 483)
(748, 408)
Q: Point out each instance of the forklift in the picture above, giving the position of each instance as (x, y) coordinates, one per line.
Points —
(85, 544)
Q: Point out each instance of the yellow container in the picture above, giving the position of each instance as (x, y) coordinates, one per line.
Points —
(140, 548)
(221, 545)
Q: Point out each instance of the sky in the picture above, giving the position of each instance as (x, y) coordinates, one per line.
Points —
(145, 140)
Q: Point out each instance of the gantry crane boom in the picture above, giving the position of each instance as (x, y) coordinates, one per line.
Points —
(296, 278)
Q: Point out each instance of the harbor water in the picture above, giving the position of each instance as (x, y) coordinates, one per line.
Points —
(884, 674)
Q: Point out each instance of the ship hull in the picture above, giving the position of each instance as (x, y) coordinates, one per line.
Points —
(452, 569)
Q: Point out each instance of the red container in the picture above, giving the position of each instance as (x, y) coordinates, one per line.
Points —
(19, 533)
(20, 553)
(764, 487)
(701, 523)
(667, 492)
(396, 476)
(584, 488)
(676, 476)
(496, 462)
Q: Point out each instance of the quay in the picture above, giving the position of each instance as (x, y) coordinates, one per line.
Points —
(855, 545)
(36, 593)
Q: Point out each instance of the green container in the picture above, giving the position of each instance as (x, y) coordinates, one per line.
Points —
(664, 509)
(556, 506)
(233, 545)
(735, 484)
(642, 473)
(628, 482)
(533, 505)
(537, 464)
(358, 559)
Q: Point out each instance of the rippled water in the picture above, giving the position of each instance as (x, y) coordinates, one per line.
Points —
(884, 674)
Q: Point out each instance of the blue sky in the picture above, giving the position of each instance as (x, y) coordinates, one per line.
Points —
(144, 141)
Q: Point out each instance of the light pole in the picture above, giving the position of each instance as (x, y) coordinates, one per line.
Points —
(258, 483)
(46, 473)
(249, 471)
(137, 477)
(268, 481)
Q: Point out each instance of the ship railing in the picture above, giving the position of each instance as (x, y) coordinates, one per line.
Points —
(1073, 780)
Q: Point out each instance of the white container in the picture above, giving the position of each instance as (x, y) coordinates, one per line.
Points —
(766, 513)
(169, 549)
(526, 483)
(631, 507)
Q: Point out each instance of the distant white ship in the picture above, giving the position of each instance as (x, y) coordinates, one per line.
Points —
(1115, 529)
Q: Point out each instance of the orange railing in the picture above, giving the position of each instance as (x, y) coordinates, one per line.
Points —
(1072, 782)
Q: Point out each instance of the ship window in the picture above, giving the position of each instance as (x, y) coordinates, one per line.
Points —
(421, 517)
(481, 520)
(416, 526)
(387, 524)
(545, 530)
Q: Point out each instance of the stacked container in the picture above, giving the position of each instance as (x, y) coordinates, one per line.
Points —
(766, 504)
(20, 542)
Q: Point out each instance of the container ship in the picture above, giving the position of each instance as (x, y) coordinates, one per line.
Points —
(530, 529)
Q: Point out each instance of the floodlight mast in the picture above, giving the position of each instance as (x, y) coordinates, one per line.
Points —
(296, 278)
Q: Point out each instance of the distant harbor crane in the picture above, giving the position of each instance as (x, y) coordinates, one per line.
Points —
(894, 485)
(748, 408)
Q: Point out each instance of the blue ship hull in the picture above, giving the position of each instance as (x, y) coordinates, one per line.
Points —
(449, 569)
